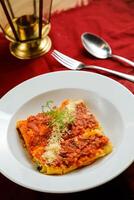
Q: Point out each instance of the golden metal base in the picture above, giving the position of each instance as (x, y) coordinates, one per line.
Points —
(31, 49)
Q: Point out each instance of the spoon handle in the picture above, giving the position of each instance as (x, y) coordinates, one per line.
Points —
(124, 59)
(120, 74)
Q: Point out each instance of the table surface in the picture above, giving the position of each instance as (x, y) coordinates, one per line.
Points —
(121, 187)
(114, 20)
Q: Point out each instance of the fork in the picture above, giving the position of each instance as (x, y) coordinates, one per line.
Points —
(73, 64)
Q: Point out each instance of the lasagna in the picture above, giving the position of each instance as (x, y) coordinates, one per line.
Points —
(63, 138)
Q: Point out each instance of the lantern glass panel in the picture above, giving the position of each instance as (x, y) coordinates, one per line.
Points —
(47, 10)
(21, 8)
(3, 18)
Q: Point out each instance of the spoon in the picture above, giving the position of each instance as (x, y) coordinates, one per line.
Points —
(99, 48)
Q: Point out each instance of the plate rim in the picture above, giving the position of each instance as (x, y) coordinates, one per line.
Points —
(62, 71)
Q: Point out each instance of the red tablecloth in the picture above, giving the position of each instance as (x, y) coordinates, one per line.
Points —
(114, 21)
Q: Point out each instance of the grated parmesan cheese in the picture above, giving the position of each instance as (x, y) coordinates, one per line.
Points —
(53, 147)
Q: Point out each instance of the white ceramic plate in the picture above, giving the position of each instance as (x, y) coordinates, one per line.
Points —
(113, 105)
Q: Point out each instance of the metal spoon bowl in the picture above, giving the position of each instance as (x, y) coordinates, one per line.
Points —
(99, 48)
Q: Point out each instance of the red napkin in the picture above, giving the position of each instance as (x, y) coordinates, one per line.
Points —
(112, 20)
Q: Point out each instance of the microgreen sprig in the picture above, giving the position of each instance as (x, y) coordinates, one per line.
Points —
(61, 118)
(48, 106)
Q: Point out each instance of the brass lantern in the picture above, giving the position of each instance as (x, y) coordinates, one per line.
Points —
(26, 24)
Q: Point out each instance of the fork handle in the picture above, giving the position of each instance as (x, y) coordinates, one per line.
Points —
(120, 74)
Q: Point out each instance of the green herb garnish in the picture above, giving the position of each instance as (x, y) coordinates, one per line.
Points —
(48, 106)
(60, 118)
